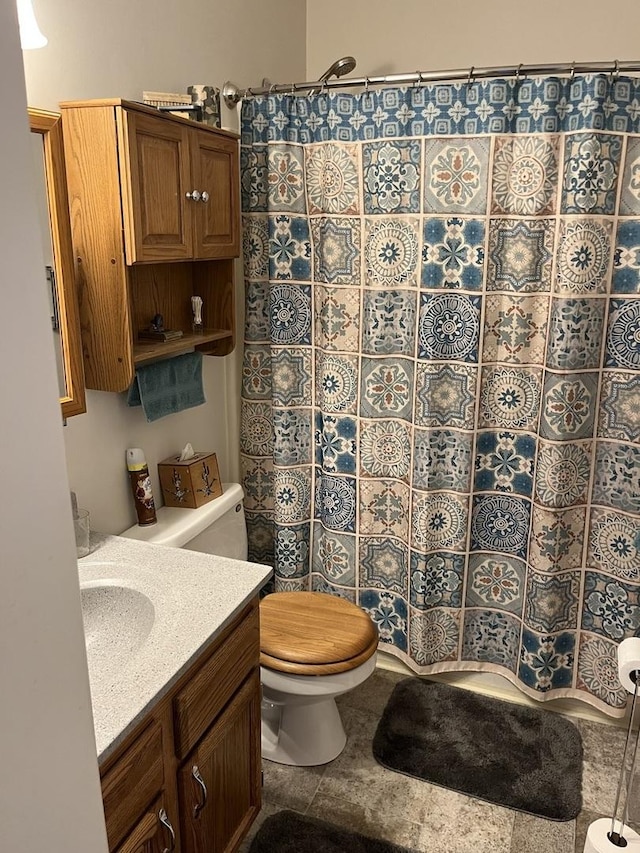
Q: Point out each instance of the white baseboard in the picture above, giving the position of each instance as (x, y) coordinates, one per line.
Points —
(491, 684)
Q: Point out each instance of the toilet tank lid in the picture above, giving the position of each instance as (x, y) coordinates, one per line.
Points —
(176, 526)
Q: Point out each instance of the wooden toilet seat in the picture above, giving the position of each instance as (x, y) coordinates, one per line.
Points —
(312, 633)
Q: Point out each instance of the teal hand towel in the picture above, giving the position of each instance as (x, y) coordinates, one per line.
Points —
(168, 386)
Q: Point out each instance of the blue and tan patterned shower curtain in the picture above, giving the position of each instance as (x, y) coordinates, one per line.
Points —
(441, 390)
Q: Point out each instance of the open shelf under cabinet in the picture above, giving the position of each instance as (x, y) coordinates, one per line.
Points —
(145, 351)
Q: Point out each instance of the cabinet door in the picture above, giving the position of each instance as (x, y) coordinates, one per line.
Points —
(132, 783)
(154, 833)
(219, 783)
(155, 176)
(214, 164)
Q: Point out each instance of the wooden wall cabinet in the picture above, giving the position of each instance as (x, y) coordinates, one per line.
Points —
(180, 191)
(188, 779)
(155, 220)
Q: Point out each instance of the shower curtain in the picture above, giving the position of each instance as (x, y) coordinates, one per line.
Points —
(441, 380)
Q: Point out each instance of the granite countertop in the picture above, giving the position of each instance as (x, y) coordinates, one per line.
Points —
(175, 602)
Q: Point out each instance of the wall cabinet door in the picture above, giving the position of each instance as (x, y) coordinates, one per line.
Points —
(155, 176)
(219, 783)
(214, 171)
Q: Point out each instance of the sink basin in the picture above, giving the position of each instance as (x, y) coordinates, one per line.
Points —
(117, 620)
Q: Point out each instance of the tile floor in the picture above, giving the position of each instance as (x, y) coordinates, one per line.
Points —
(358, 793)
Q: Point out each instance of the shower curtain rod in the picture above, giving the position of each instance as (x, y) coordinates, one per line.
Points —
(232, 94)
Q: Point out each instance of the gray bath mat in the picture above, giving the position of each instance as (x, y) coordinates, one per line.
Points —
(521, 758)
(290, 832)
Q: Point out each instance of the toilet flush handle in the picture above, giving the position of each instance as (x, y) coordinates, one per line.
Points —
(195, 772)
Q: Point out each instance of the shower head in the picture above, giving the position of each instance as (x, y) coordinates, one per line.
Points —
(340, 67)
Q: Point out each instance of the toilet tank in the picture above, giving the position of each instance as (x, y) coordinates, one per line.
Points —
(217, 527)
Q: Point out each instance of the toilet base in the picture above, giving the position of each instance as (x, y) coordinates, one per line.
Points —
(302, 734)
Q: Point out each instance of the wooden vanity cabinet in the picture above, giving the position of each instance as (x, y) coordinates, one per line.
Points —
(136, 779)
(219, 784)
(152, 834)
(145, 239)
(200, 780)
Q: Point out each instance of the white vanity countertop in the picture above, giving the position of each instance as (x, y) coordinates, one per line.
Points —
(194, 596)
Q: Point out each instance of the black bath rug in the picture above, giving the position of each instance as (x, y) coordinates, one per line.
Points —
(290, 832)
(522, 758)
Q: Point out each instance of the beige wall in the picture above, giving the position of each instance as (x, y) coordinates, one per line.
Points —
(387, 37)
(119, 49)
(49, 786)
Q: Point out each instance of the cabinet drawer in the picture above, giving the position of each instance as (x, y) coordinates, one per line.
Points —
(132, 783)
(150, 834)
(199, 703)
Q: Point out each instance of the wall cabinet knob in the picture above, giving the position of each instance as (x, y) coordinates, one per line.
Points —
(205, 196)
(194, 195)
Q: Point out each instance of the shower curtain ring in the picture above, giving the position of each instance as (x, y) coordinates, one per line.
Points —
(272, 87)
(573, 71)
(418, 82)
(470, 80)
(518, 69)
(615, 73)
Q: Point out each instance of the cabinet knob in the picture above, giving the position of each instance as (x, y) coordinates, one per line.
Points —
(164, 820)
(194, 195)
(205, 196)
(195, 772)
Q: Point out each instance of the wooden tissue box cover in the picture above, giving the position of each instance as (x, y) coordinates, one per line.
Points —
(190, 483)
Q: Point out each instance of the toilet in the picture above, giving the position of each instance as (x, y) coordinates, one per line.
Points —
(314, 646)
